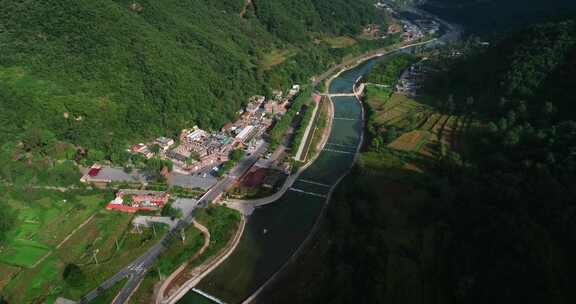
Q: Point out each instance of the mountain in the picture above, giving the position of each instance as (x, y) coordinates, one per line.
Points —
(493, 220)
(533, 65)
(97, 72)
(483, 16)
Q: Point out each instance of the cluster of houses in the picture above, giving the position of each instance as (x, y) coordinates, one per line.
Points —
(410, 30)
(409, 82)
(199, 149)
(428, 26)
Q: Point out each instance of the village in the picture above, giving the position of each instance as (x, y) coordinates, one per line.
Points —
(410, 30)
(197, 158)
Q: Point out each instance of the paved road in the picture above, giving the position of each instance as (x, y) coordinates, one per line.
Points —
(136, 271)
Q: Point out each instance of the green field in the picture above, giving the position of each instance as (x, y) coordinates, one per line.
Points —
(43, 223)
(33, 259)
(339, 42)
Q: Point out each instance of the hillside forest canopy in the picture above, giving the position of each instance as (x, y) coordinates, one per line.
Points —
(490, 222)
(101, 73)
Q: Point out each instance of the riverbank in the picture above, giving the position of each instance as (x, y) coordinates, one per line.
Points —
(277, 233)
(319, 220)
(172, 294)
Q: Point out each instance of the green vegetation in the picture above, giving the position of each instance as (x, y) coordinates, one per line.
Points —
(494, 15)
(388, 71)
(492, 216)
(32, 162)
(384, 107)
(153, 68)
(320, 126)
(281, 127)
(235, 157)
(276, 57)
(57, 239)
(170, 211)
(7, 220)
(222, 223)
(250, 193)
(185, 192)
(304, 122)
(339, 42)
(179, 251)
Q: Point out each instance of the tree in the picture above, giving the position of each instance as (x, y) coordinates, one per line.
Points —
(237, 155)
(170, 211)
(492, 127)
(7, 220)
(38, 140)
(391, 134)
(73, 275)
(95, 155)
(377, 142)
(155, 148)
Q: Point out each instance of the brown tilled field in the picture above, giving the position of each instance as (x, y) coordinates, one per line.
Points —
(408, 141)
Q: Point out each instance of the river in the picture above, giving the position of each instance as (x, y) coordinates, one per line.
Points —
(274, 232)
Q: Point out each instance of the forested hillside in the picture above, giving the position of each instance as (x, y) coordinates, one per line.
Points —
(534, 65)
(497, 15)
(98, 72)
(492, 220)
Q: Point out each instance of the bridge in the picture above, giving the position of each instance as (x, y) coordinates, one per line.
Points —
(207, 295)
(342, 95)
(357, 91)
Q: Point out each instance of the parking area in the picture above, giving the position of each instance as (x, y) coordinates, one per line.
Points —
(202, 181)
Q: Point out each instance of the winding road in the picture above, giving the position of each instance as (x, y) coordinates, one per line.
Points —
(136, 270)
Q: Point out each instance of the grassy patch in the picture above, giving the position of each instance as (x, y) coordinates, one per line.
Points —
(222, 223)
(177, 254)
(276, 57)
(321, 124)
(44, 223)
(180, 250)
(339, 42)
(145, 291)
(23, 253)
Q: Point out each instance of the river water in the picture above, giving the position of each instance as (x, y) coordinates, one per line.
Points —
(275, 231)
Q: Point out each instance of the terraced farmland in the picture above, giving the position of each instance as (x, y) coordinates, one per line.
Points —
(424, 130)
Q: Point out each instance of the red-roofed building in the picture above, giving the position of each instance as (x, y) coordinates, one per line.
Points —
(94, 172)
(135, 200)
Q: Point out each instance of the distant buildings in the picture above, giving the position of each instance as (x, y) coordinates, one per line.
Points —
(142, 149)
(198, 149)
(164, 143)
(410, 80)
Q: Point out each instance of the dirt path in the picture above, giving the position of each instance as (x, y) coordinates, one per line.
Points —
(245, 8)
(176, 277)
(64, 240)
